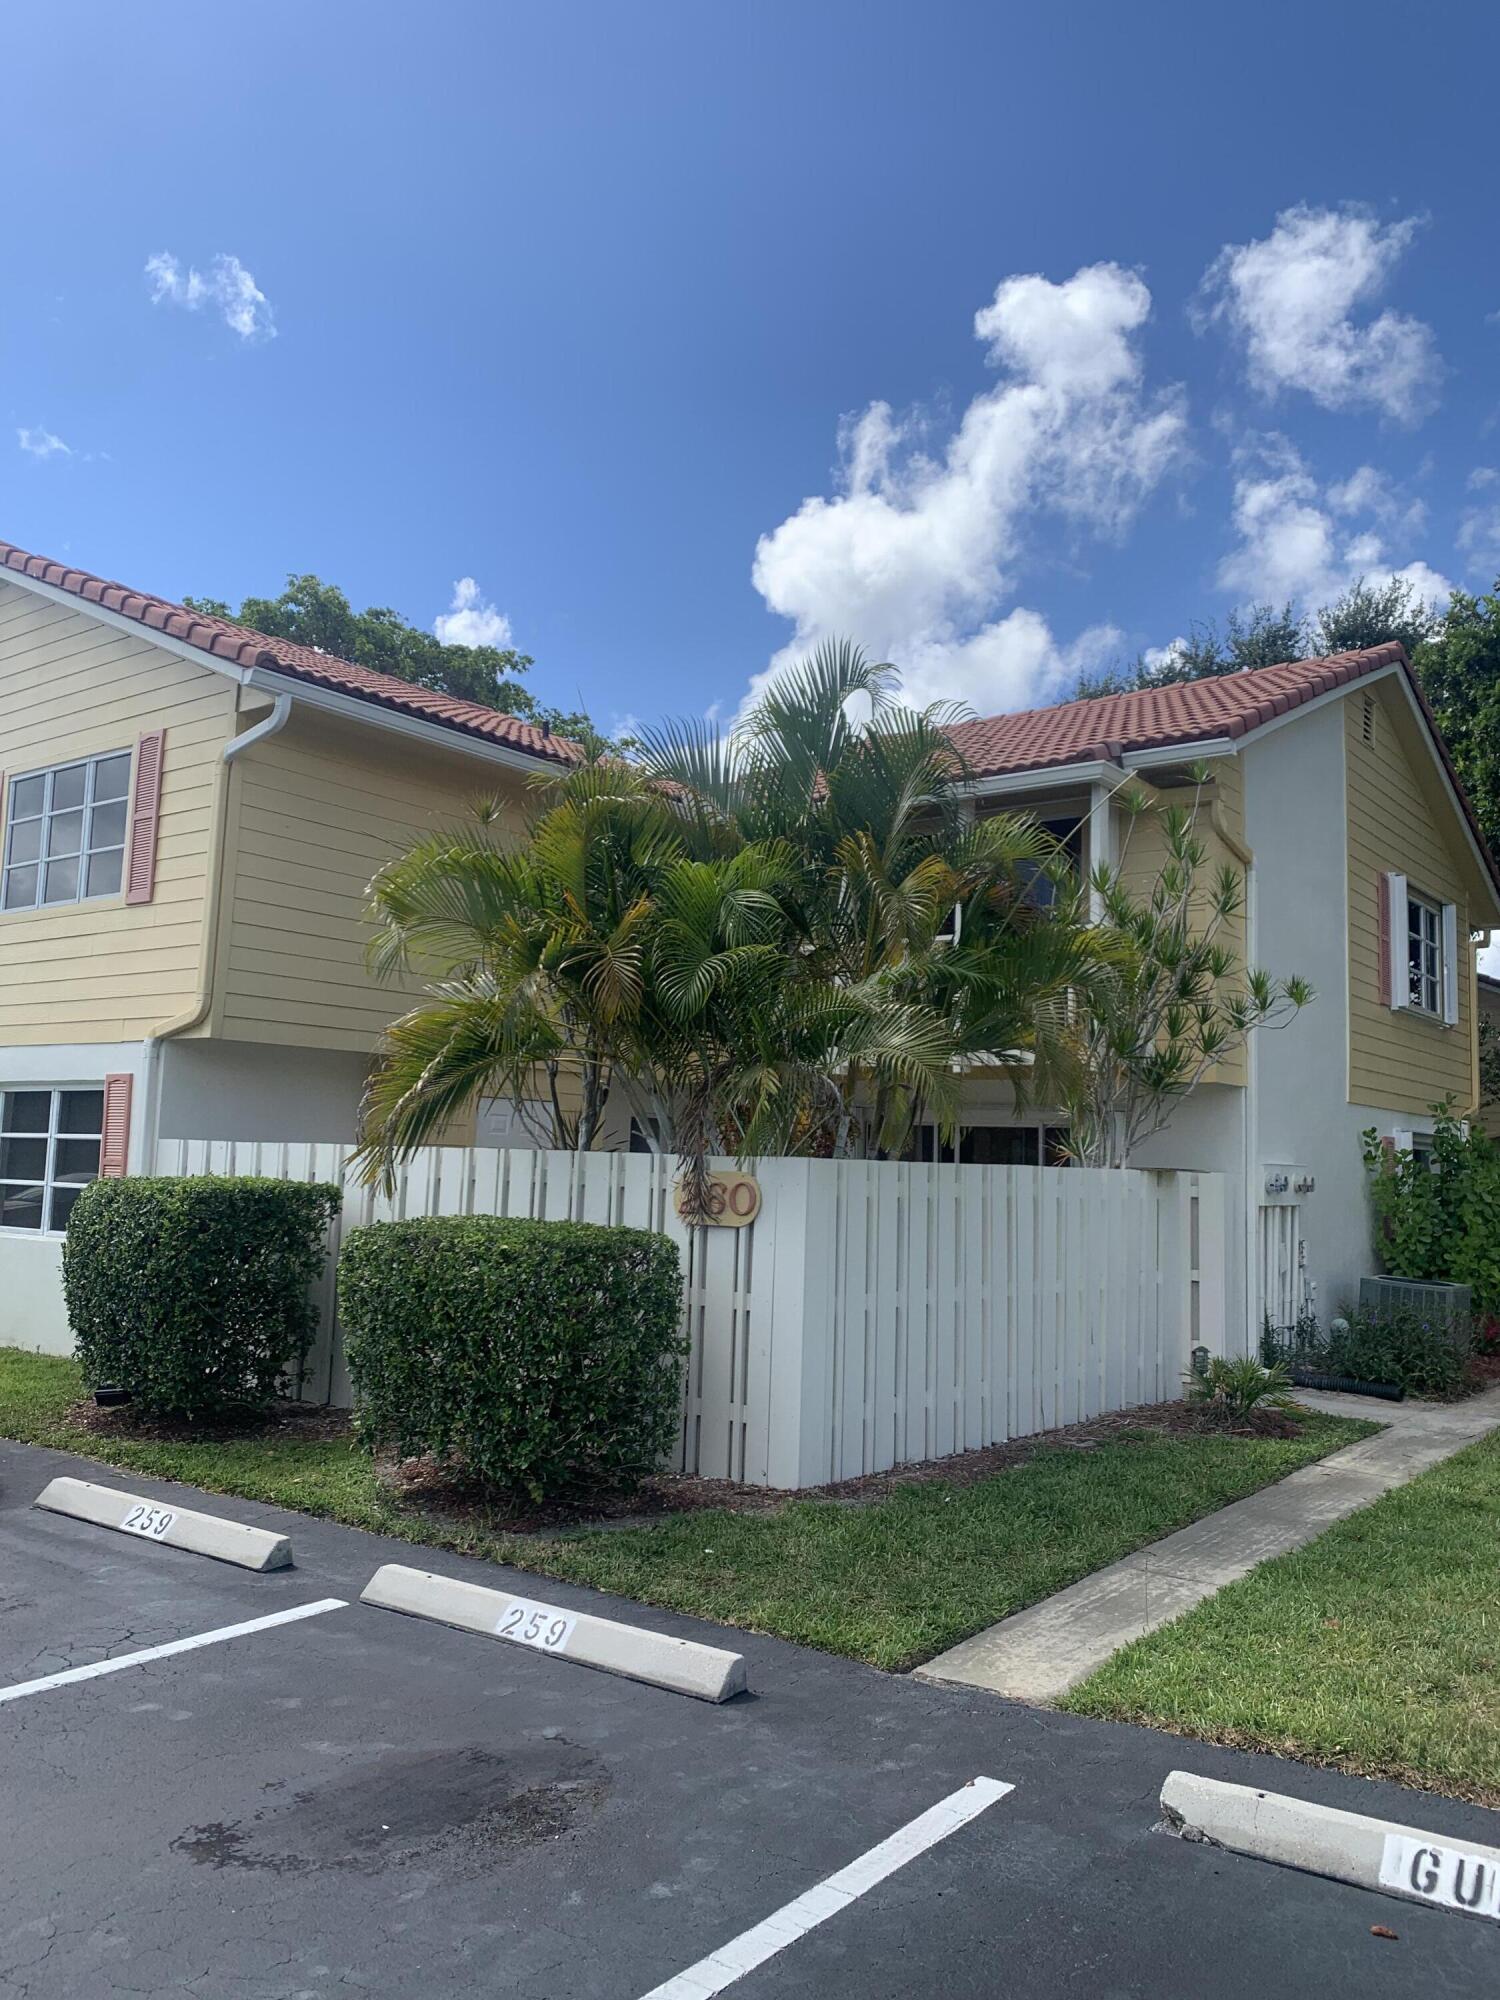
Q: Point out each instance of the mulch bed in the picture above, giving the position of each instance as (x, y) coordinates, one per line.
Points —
(423, 1483)
(283, 1423)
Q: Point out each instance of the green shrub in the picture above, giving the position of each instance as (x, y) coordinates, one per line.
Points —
(1437, 1217)
(538, 1357)
(192, 1292)
(1425, 1356)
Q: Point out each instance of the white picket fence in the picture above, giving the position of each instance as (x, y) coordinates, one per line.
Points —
(874, 1313)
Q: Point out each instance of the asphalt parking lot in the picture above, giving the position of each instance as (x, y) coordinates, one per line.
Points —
(355, 1802)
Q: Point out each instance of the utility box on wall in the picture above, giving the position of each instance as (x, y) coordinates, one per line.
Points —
(1285, 1185)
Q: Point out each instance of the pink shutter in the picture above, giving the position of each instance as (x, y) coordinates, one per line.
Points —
(1383, 905)
(145, 810)
(114, 1147)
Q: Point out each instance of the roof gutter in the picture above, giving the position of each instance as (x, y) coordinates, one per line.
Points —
(310, 695)
(269, 725)
(1096, 771)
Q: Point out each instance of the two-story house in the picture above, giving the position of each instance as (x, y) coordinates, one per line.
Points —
(1330, 790)
(192, 813)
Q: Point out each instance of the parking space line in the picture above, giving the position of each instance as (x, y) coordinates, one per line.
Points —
(173, 1646)
(794, 1920)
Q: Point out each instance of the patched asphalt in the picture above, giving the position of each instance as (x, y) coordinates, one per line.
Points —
(365, 1804)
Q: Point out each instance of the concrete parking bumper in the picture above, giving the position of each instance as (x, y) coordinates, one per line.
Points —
(683, 1665)
(166, 1524)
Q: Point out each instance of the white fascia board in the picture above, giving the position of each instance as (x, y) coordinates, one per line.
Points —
(1179, 753)
(311, 695)
(1097, 772)
(276, 684)
(1418, 715)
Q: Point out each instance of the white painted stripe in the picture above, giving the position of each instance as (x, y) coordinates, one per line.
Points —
(173, 1646)
(753, 1947)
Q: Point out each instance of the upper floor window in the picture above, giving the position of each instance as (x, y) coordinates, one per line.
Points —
(65, 832)
(1424, 954)
(49, 1151)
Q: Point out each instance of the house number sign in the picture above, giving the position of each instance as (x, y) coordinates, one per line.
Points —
(733, 1200)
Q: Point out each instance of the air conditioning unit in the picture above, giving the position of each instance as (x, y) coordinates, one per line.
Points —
(1446, 1305)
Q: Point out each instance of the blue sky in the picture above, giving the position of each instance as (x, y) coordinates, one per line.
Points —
(1006, 339)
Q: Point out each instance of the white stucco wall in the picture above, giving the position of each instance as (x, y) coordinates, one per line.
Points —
(214, 1089)
(1295, 823)
(31, 1302)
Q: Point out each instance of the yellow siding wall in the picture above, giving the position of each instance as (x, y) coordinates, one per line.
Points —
(1143, 849)
(314, 812)
(1399, 1060)
(71, 686)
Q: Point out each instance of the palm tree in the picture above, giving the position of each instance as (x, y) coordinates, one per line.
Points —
(791, 937)
(619, 947)
(898, 888)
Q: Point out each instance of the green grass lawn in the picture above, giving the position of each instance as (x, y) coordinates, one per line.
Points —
(891, 1582)
(1375, 1648)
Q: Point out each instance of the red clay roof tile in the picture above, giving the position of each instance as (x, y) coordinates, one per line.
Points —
(241, 647)
(1107, 726)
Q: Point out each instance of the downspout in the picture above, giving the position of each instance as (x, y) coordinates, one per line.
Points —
(193, 1016)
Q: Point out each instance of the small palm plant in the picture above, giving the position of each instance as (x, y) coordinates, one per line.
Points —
(1232, 1391)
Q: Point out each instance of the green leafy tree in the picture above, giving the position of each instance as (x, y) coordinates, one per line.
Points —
(1170, 999)
(1368, 614)
(312, 613)
(1459, 669)
(1260, 636)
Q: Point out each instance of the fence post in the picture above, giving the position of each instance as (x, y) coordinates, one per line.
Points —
(1211, 1273)
(801, 1252)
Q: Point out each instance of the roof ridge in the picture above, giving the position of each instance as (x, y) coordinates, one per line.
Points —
(242, 646)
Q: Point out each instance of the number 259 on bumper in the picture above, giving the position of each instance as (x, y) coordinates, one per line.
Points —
(539, 1625)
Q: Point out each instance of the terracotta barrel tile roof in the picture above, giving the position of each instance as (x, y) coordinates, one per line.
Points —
(240, 647)
(1104, 728)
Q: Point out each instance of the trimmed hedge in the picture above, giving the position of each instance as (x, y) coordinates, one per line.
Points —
(537, 1357)
(192, 1292)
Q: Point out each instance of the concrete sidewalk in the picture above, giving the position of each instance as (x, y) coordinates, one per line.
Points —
(1042, 1652)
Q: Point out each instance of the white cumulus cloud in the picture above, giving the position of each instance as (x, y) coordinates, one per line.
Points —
(915, 555)
(1308, 543)
(471, 620)
(40, 443)
(1479, 540)
(1294, 299)
(227, 287)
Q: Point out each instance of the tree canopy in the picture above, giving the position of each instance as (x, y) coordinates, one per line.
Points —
(312, 613)
(1261, 635)
(1459, 668)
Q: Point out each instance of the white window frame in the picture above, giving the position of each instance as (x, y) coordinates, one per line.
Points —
(1424, 935)
(1432, 991)
(49, 1182)
(50, 773)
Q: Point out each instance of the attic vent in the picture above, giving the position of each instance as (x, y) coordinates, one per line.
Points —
(1367, 720)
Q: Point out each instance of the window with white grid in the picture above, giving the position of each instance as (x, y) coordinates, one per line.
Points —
(1424, 954)
(49, 1152)
(65, 832)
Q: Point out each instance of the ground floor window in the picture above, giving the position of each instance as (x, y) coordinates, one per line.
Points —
(49, 1150)
(1029, 1145)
